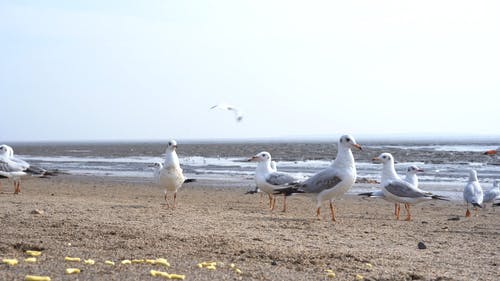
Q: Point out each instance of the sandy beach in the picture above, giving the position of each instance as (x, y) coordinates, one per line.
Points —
(111, 219)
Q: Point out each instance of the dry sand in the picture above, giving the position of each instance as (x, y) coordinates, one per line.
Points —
(107, 219)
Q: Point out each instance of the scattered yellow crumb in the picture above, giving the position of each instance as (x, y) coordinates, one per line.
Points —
(200, 265)
(211, 267)
(232, 265)
(72, 259)
(109, 262)
(330, 275)
(359, 277)
(150, 261)
(36, 278)
(10, 261)
(162, 262)
(138, 261)
(72, 270)
(155, 273)
(369, 265)
(126, 262)
(177, 276)
(89, 261)
(33, 253)
(328, 270)
(31, 259)
(237, 271)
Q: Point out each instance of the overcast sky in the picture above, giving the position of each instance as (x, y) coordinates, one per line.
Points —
(150, 70)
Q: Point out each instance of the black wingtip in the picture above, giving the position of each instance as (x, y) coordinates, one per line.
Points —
(189, 180)
(287, 191)
(439, 197)
(477, 205)
(496, 204)
(367, 194)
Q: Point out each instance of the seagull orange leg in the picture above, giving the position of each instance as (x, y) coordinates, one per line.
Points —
(398, 210)
(467, 213)
(175, 197)
(318, 213)
(408, 214)
(270, 201)
(17, 187)
(284, 203)
(332, 210)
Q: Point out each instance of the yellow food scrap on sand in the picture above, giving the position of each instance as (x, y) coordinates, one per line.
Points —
(72, 259)
(10, 261)
(178, 276)
(109, 262)
(369, 265)
(237, 271)
(31, 259)
(138, 261)
(162, 262)
(328, 271)
(72, 270)
(208, 263)
(36, 278)
(330, 275)
(232, 265)
(33, 253)
(359, 277)
(211, 267)
(89, 261)
(126, 262)
(150, 261)
(156, 273)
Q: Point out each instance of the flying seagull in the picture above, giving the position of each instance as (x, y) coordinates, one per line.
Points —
(223, 106)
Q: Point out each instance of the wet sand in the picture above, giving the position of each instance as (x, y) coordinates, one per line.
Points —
(106, 219)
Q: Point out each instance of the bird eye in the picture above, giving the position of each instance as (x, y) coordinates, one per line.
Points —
(383, 157)
(348, 139)
(263, 155)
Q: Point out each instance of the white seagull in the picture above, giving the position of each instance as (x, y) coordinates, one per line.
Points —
(14, 168)
(492, 194)
(169, 175)
(268, 179)
(332, 182)
(473, 193)
(398, 190)
(411, 177)
(237, 112)
(157, 167)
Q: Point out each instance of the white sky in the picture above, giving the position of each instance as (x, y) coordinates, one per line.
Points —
(150, 70)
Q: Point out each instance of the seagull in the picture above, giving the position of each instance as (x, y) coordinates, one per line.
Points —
(169, 175)
(237, 113)
(332, 182)
(157, 167)
(492, 194)
(268, 179)
(473, 193)
(411, 177)
(398, 190)
(14, 168)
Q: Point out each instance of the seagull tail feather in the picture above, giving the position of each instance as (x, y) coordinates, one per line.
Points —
(189, 180)
(439, 197)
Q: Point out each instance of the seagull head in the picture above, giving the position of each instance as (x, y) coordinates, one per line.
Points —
(261, 157)
(171, 145)
(156, 165)
(413, 170)
(384, 158)
(349, 142)
(472, 175)
(490, 152)
(4, 149)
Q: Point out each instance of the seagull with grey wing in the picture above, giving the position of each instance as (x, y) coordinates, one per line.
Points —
(492, 194)
(267, 178)
(169, 175)
(398, 190)
(473, 193)
(332, 182)
(223, 106)
(14, 168)
(411, 177)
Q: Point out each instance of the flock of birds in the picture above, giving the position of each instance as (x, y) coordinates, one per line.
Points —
(326, 185)
(332, 182)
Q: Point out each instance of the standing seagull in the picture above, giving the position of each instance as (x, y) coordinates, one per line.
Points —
(170, 174)
(332, 182)
(398, 190)
(237, 113)
(492, 194)
(268, 179)
(411, 177)
(14, 168)
(473, 193)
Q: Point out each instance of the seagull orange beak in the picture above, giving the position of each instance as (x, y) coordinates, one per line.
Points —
(376, 159)
(357, 146)
(490, 152)
(253, 159)
(420, 170)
